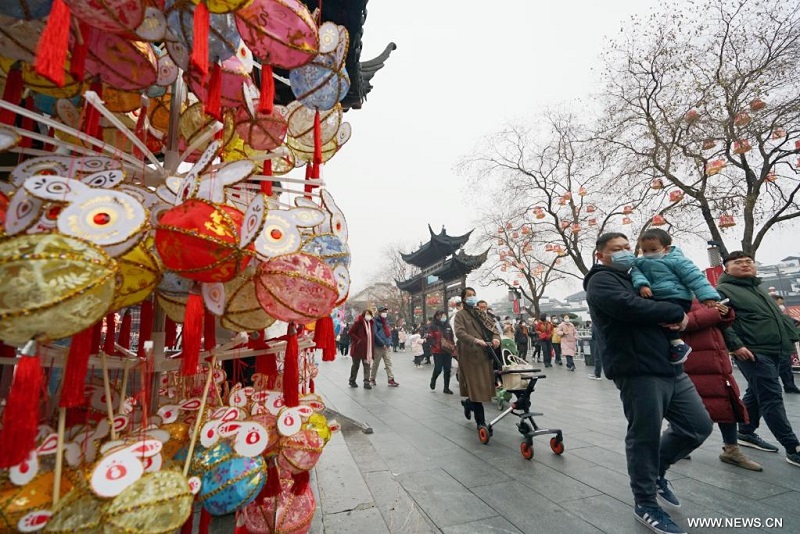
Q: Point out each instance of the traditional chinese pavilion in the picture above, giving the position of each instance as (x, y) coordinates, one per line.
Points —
(444, 267)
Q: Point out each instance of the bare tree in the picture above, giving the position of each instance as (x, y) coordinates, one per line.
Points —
(708, 100)
(393, 269)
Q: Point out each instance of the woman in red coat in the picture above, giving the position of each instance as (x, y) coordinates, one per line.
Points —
(709, 367)
(362, 343)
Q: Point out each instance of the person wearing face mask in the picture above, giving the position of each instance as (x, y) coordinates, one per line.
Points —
(635, 348)
(663, 273)
(362, 347)
(569, 341)
(475, 332)
(441, 338)
(383, 340)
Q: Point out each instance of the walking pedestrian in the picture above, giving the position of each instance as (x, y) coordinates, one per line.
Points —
(344, 340)
(395, 338)
(383, 340)
(569, 341)
(441, 346)
(363, 342)
(544, 329)
(521, 339)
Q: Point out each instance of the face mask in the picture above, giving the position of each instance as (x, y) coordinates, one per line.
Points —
(567, 319)
(384, 315)
(653, 255)
(622, 260)
(368, 317)
(443, 319)
(471, 301)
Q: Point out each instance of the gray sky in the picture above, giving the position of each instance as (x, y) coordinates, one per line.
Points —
(461, 71)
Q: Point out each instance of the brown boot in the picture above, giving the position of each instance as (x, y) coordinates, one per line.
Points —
(732, 454)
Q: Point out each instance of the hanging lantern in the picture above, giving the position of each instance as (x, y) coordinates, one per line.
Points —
(741, 147)
(576, 228)
(742, 119)
(771, 177)
(582, 191)
(778, 133)
(676, 195)
(564, 225)
(516, 282)
(567, 196)
(691, 116)
(526, 230)
(527, 249)
(548, 247)
(726, 221)
(500, 242)
(709, 144)
(757, 104)
(500, 230)
(657, 184)
(627, 210)
(658, 220)
(558, 249)
(508, 226)
(591, 208)
(503, 268)
(562, 201)
(626, 220)
(514, 235)
(592, 222)
(715, 166)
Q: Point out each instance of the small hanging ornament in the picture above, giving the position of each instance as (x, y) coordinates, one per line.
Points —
(591, 208)
(627, 210)
(709, 144)
(715, 166)
(741, 147)
(691, 116)
(592, 222)
(658, 220)
(771, 177)
(21, 414)
(676, 195)
(526, 230)
(757, 104)
(742, 119)
(582, 191)
(726, 221)
(564, 225)
(626, 220)
(657, 184)
(576, 228)
(778, 133)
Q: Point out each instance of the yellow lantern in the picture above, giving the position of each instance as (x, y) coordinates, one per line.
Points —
(141, 272)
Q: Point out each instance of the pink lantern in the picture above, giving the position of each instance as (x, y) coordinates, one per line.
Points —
(778, 133)
(715, 166)
(691, 116)
(676, 195)
(726, 221)
(109, 16)
(742, 119)
(657, 183)
(626, 220)
(526, 230)
(279, 32)
(757, 104)
(627, 210)
(564, 225)
(287, 513)
(126, 65)
(591, 208)
(296, 288)
(592, 222)
(300, 452)
(658, 220)
(708, 144)
(234, 77)
(582, 191)
(515, 235)
(265, 131)
(741, 147)
(576, 228)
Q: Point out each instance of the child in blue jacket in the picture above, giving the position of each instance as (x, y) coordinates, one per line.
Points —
(662, 272)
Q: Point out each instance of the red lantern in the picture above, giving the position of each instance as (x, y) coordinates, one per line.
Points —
(657, 184)
(592, 222)
(582, 191)
(526, 230)
(199, 240)
(296, 288)
(548, 247)
(576, 228)
(676, 195)
(564, 225)
(567, 196)
(627, 210)
(741, 147)
(516, 282)
(742, 119)
(691, 116)
(778, 133)
(726, 221)
(515, 235)
(538, 212)
(709, 144)
(591, 208)
(626, 220)
(757, 104)
(658, 220)
(715, 166)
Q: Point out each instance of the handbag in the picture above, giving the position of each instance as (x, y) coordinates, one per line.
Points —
(448, 346)
(513, 375)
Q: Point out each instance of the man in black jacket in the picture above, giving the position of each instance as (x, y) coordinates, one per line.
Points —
(635, 348)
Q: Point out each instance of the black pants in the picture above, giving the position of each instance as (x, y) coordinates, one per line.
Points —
(354, 369)
(785, 371)
(344, 348)
(426, 353)
(477, 411)
(598, 359)
(394, 346)
(686, 305)
(522, 349)
(547, 351)
(647, 401)
(442, 363)
(764, 398)
(537, 351)
(557, 351)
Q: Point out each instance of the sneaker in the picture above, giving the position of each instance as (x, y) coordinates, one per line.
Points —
(367, 385)
(353, 384)
(665, 495)
(372, 381)
(753, 440)
(571, 368)
(793, 458)
(656, 520)
(595, 377)
(447, 391)
(679, 353)
(392, 383)
(559, 362)
(791, 390)
(467, 409)
(418, 366)
(732, 454)
(432, 385)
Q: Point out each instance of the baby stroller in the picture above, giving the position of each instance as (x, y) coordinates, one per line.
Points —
(519, 379)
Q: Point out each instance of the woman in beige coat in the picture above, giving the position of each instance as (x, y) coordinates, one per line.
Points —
(475, 332)
(569, 341)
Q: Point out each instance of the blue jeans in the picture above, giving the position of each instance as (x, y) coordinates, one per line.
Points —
(764, 398)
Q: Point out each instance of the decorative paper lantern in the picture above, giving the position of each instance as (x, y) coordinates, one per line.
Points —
(771, 177)
(265, 131)
(576, 228)
(657, 184)
(658, 220)
(42, 85)
(234, 81)
(329, 248)
(691, 116)
(323, 82)
(726, 221)
(526, 230)
(582, 191)
(243, 313)
(279, 32)
(709, 144)
(627, 210)
(500, 230)
(741, 147)
(159, 502)
(715, 166)
(757, 104)
(548, 247)
(16, 502)
(564, 225)
(223, 38)
(109, 16)
(514, 235)
(61, 285)
(503, 268)
(626, 220)
(562, 201)
(301, 123)
(286, 514)
(77, 511)
(126, 65)
(591, 208)
(200, 240)
(592, 222)
(778, 133)
(539, 213)
(500, 242)
(119, 101)
(140, 272)
(26, 9)
(676, 195)
(231, 482)
(296, 288)
(742, 119)
(300, 452)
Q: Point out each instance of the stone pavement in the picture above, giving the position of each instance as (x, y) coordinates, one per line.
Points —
(423, 469)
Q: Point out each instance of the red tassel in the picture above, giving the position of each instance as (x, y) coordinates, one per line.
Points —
(317, 139)
(291, 370)
(97, 336)
(240, 529)
(92, 116)
(27, 124)
(170, 332)
(192, 332)
(209, 331)
(12, 93)
(21, 414)
(73, 387)
(77, 63)
(205, 521)
(124, 338)
(300, 482)
(188, 525)
(266, 102)
(311, 388)
(111, 332)
(309, 175)
(202, 21)
(272, 488)
(325, 339)
(213, 106)
(266, 185)
(145, 326)
(51, 52)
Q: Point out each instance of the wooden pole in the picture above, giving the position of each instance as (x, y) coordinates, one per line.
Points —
(109, 404)
(199, 419)
(62, 417)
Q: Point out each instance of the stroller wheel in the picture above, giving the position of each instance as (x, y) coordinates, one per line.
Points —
(557, 445)
(484, 435)
(526, 448)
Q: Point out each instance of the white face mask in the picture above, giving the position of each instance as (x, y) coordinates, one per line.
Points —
(368, 317)
(384, 315)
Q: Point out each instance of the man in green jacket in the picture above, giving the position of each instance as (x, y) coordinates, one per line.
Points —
(759, 338)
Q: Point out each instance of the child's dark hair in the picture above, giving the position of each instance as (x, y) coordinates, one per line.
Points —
(656, 234)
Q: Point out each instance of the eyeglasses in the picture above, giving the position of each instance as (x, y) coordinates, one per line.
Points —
(743, 261)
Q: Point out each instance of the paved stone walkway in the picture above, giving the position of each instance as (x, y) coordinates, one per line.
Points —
(424, 470)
